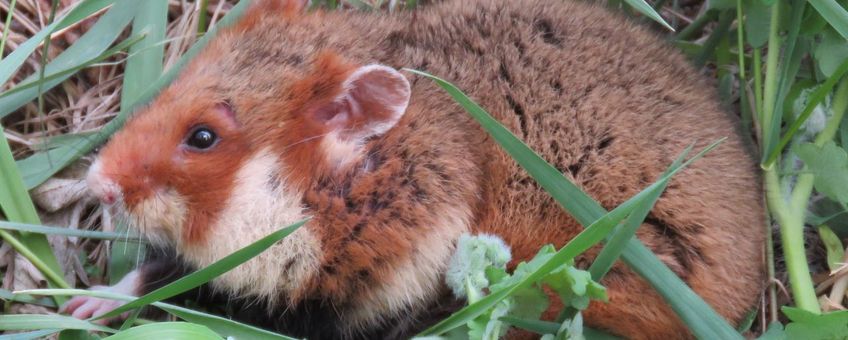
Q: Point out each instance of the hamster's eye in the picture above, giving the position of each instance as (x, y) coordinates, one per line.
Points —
(202, 138)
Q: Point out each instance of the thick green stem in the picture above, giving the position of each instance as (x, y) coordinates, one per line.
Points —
(792, 234)
(770, 95)
(791, 215)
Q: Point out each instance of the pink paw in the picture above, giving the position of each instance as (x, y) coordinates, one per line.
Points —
(84, 307)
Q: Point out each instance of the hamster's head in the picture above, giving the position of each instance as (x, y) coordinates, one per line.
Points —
(223, 155)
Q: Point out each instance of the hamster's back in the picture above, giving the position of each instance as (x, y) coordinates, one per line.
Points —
(611, 106)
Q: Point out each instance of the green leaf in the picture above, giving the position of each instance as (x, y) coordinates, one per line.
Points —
(39, 167)
(10, 64)
(830, 52)
(90, 45)
(41, 334)
(833, 246)
(166, 330)
(223, 326)
(834, 13)
(17, 206)
(646, 9)
(757, 18)
(20, 322)
(89, 234)
(702, 320)
(830, 165)
(208, 273)
(811, 326)
(9, 296)
(774, 332)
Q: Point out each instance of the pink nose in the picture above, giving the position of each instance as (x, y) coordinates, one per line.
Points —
(101, 186)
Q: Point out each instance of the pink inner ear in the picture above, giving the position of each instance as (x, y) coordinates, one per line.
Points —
(226, 109)
(373, 99)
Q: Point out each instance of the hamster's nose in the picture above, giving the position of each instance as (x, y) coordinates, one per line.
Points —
(101, 186)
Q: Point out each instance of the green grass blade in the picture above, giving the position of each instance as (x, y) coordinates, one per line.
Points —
(10, 64)
(646, 9)
(22, 298)
(166, 330)
(701, 319)
(21, 322)
(60, 75)
(834, 14)
(144, 65)
(223, 326)
(17, 206)
(42, 334)
(88, 47)
(39, 167)
(204, 275)
(547, 327)
(47, 230)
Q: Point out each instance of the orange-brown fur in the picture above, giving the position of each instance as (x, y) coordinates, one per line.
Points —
(600, 98)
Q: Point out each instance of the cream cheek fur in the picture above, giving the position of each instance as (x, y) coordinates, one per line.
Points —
(255, 209)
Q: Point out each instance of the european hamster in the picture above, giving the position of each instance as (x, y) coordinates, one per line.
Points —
(290, 113)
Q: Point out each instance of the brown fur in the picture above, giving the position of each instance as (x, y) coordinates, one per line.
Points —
(602, 99)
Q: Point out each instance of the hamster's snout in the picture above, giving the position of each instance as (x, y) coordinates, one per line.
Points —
(101, 186)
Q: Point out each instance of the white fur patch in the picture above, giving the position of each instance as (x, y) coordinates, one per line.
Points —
(256, 208)
(160, 218)
(416, 281)
(339, 151)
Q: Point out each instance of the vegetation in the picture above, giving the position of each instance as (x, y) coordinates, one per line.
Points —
(77, 69)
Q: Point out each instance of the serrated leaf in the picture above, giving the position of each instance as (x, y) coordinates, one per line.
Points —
(829, 163)
(811, 326)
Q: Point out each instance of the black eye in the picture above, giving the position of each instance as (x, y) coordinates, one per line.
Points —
(202, 138)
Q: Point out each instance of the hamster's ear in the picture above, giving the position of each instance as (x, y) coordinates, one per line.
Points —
(372, 100)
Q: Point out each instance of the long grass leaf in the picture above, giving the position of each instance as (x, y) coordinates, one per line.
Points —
(223, 326)
(208, 273)
(21, 322)
(10, 64)
(17, 206)
(701, 319)
(646, 9)
(39, 167)
(41, 334)
(62, 231)
(834, 14)
(89, 46)
(166, 330)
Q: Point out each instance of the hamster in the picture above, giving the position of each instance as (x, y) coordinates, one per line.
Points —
(292, 113)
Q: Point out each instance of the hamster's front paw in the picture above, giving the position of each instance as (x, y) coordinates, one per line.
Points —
(84, 307)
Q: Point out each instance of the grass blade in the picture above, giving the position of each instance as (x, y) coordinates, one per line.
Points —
(204, 275)
(223, 326)
(39, 167)
(646, 9)
(10, 64)
(21, 322)
(47, 230)
(88, 47)
(29, 335)
(834, 14)
(17, 206)
(166, 330)
(701, 319)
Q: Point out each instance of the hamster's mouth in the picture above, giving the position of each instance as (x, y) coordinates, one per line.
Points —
(159, 218)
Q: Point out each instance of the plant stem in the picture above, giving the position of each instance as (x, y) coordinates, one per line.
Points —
(6, 28)
(770, 95)
(201, 21)
(743, 79)
(758, 82)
